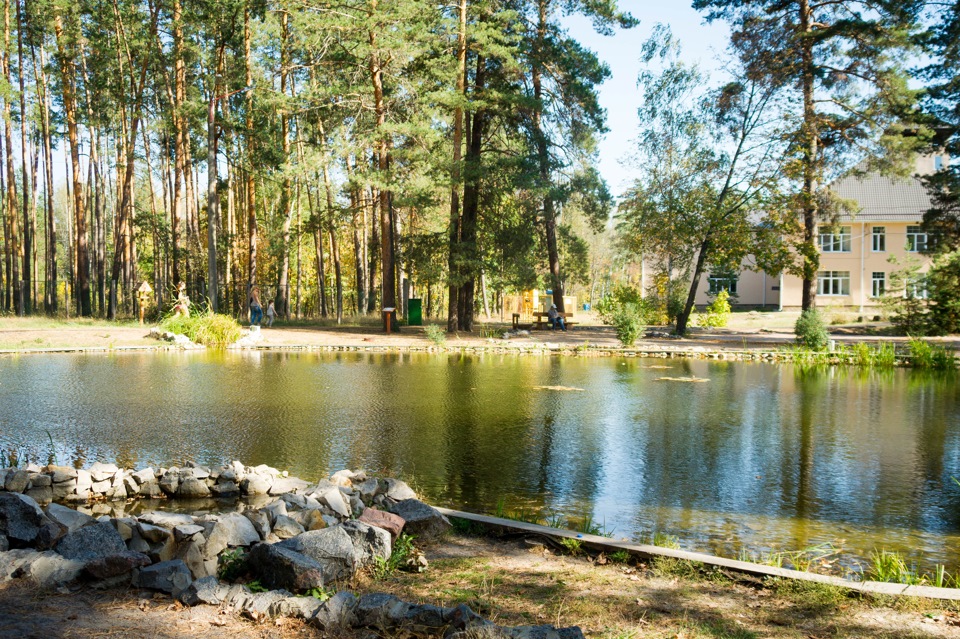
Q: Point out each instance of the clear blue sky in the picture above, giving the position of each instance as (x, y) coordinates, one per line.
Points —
(618, 95)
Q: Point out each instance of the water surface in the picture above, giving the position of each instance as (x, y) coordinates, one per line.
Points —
(759, 458)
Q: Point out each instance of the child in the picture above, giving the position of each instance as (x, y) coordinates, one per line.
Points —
(271, 314)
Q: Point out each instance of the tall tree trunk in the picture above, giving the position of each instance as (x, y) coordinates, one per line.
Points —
(454, 302)
(69, 97)
(543, 156)
(213, 194)
(26, 186)
(810, 141)
(286, 210)
(388, 267)
(471, 200)
(12, 208)
(251, 191)
(334, 246)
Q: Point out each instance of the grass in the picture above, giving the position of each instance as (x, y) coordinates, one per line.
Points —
(209, 329)
(926, 355)
(403, 549)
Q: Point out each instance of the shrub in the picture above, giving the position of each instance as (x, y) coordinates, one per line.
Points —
(613, 302)
(811, 330)
(435, 334)
(207, 328)
(628, 323)
(718, 312)
(926, 355)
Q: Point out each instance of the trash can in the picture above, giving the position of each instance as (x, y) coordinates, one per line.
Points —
(586, 306)
(414, 312)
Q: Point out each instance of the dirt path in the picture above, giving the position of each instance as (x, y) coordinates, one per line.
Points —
(513, 583)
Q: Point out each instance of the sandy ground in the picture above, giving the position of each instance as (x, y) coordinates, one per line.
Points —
(31, 334)
(513, 583)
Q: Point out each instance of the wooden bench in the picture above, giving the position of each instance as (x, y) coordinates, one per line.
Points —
(541, 316)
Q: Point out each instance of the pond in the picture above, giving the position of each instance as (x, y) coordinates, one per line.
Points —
(760, 458)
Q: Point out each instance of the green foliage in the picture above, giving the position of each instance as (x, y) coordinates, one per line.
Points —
(256, 586)
(620, 557)
(665, 541)
(614, 301)
(628, 322)
(403, 550)
(923, 354)
(435, 334)
(320, 593)
(811, 331)
(231, 564)
(718, 312)
(891, 567)
(207, 328)
(572, 546)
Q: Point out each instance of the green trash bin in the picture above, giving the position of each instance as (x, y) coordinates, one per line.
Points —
(414, 312)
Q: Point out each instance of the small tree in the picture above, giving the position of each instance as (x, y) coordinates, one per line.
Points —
(811, 331)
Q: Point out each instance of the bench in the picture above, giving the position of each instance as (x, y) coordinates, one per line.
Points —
(541, 316)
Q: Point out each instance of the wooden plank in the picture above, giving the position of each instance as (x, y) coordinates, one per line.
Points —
(606, 544)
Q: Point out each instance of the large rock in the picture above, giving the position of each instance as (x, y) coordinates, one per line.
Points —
(205, 590)
(399, 490)
(17, 481)
(69, 518)
(116, 565)
(393, 524)
(172, 577)
(298, 607)
(279, 567)
(331, 547)
(60, 474)
(337, 612)
(92, 542)
(231, 530)
(369, 542)
(422, 521)
(333, 498)
(379, 610)
(20, 519)
(166, 520)
(286, 527)
(102, 472)
(192, 488)
(47, 569)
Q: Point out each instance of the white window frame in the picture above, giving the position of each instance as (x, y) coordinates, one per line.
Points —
(879, 239)
(878, 284)
(917, 289)
(841, 242)
(833, 283)
(917, 239)
(717, 283)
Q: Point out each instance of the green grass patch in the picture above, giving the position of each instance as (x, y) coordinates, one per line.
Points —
(209, 329)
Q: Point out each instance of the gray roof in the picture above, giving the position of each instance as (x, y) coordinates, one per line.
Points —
(882, 198)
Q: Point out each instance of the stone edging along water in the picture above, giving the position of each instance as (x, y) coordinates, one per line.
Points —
(300, 536)
(293, 537)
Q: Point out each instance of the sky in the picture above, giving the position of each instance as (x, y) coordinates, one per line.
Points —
(703, 43)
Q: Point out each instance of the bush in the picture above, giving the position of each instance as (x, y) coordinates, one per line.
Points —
(435, 334)
(811, 330)
(207, 328)
(628, 323)
(718, 312)
(613, 302)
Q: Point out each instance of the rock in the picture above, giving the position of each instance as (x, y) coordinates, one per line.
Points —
(279, 567)
(421, 618)
(172, 577)
(116, 565)
(84, 482)
(169, 483)
(91, 542)
(422, 520)
(17, 481)
(230, 530)
(379, 610)
(342, 478)
(369, 542)
(186, 531)
(4, 543)
(151, 490)
(130, 485)
(39, 480)
(43, 495)
(205, 590)
(285, 485)
(48, 569)
(145, 475)
(382, 519)
(62, 489)
(399, 491)
(275, 509)
(463, 618)
(225, 488)
(60, 474)
(260, 521)
(192, 488)
(255, 485)
(258, 606)
(20, 518)
(542, 632)
(312, 519)
(331, 547)
(191, 553)
(337, 612)
(297, 607)
(69, 518)
(101, 472)
(101, 487)
(368, 489)
(166, 520)
(333, 498)
(154, 534)
(285, 527)
(199, 471)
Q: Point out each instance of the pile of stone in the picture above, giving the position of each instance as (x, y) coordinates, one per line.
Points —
(290, 535)
(176, 339)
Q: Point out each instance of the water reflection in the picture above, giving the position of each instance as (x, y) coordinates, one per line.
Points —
(760, 457)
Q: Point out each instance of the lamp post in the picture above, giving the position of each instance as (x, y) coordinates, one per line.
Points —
(213, 194)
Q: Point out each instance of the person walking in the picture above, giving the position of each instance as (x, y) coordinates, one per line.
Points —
(271, 314)
(256, 310)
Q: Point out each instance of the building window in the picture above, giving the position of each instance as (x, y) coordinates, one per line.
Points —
(916, 239)
(839, 242)
(937, 162)
(833, 283)
(917, 289)
(879, 283)
(879, 239)
(719, 283)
